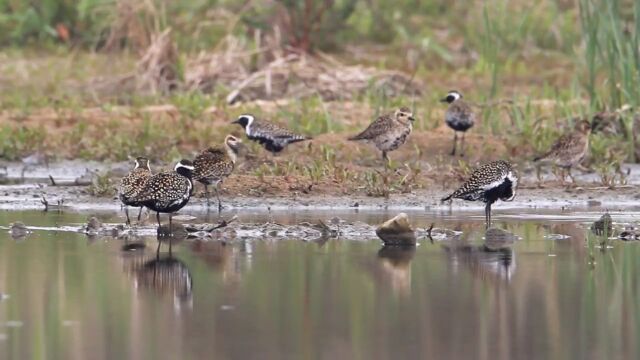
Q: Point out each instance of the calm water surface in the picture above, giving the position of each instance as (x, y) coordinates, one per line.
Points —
(70, 297)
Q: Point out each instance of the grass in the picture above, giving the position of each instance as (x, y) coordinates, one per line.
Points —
(530, 68)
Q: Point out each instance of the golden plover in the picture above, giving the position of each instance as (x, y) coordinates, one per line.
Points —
(213, 165)
(388, 131)
(168, 192)
(488, 183)
(459, 117)
(569, 150)
(273, 137)
(132, 183)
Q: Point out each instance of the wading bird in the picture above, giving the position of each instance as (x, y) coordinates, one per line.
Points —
(488, 183)
(132, 183)
(214, 164)
(168, 192)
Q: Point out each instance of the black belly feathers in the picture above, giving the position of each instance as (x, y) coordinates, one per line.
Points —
(272, 137)
(489, 183)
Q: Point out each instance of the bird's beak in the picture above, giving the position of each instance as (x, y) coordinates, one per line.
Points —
(236, 121)
(411, 118)
(444, 100)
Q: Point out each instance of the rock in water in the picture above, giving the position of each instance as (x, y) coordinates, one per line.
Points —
(18, 230)
(603, 226)
(397, 231)
(93, 226)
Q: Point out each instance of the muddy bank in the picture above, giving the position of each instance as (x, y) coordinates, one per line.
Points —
(76, 185)
(30, 197)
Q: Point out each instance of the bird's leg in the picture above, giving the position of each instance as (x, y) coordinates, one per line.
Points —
(487, 215)
(158, 218)
(559, 174)
(539, 175)
(170, 243)
(139, 213)
(462, 145)
(206, 193)
(218, 197)
(455, 140)
(158, 250)
(126, 212)
(170, 228)
(573, 181)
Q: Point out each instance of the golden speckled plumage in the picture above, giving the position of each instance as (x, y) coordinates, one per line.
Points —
(168, 191)
(389, 131)
(488, 183)
(214, 164)
(132, 183)
(273, 137)
(211, 166)
(165, 188)
(571, 148)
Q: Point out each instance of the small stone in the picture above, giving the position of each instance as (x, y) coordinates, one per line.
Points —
(93, 225)
(397, 231)
(18, 230)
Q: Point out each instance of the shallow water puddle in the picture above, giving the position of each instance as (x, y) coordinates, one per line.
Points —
(541, 293)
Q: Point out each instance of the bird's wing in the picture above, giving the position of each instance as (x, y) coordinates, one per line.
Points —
(133, 182)
(462, 110)
(212, 162)
(485, 177)
(274, 132)
(557, 148)
(378, 127)
(170, 185)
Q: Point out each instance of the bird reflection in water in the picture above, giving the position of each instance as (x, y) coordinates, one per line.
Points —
(394, 267)
(164, 274)
(493, 260)
(221, 257)
(171, 234)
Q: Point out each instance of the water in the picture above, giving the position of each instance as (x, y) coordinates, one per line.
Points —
(70, 297)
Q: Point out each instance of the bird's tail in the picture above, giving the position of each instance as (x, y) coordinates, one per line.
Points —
(446, 198)
(540, 157)
(300, 138)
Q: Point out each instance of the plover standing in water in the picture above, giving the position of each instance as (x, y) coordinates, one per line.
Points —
(213, 165)
(273, 137)
(459, 116)
(389, 131)
(132, 183)
(569, 150)
(168, 192)
(488, 183)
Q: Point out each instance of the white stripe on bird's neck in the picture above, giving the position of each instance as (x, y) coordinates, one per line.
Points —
(232, 154)
(247, 128)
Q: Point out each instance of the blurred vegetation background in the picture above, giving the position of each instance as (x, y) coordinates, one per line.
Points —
(596, 38)
(532, 66)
